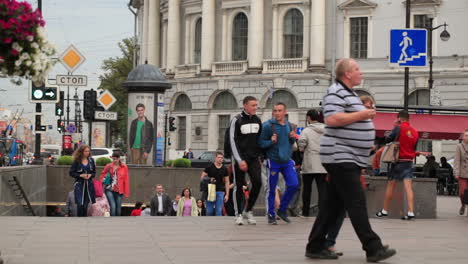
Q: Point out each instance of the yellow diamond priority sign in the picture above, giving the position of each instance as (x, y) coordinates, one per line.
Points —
(71, 58)
(106, 99)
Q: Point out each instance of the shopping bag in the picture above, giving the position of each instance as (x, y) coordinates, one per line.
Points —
(211, 192)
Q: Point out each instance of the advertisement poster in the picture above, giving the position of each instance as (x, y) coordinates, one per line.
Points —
(98, 136)
(160, 132)
(141, 136)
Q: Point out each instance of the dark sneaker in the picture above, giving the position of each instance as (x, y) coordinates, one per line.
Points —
(380, 214)
(324, 254)
(284, 216)
(381, 254)
(292, 212)
(407, 217)
(462, 210)
(272, 220)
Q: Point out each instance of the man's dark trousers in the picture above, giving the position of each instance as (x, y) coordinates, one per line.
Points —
(344, 191)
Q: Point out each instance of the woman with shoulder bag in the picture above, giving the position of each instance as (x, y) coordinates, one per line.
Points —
(461, 170)
(83, 170)
(116, 183)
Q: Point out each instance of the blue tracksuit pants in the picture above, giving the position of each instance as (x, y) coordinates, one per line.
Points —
(290, 178)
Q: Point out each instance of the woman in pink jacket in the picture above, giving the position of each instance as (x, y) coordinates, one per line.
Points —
(116, 183)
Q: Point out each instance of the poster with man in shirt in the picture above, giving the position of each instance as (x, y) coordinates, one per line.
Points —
(141, 135)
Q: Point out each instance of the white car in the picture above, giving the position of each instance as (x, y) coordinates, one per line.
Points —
(106, 152)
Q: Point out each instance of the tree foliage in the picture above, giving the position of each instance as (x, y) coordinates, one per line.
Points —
(116, 72)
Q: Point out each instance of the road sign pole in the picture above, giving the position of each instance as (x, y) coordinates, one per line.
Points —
(406, 91)
(90, 132)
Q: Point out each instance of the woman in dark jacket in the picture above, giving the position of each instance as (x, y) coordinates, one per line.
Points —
(83, 170)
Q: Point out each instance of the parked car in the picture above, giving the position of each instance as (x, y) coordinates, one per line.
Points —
(106, 152)
(206, 158)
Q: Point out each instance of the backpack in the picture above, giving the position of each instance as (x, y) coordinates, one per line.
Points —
(227, 140)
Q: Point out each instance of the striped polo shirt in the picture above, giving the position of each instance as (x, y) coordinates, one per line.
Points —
(351, 143)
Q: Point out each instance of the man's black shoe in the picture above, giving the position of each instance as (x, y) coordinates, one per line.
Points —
(381, 254)
(292, 212)
(272, 220)
(284, 216)
(324, 254)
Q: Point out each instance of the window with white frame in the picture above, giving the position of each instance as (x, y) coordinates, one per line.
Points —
(358, 37)
(420, 97)
(182, 103)
(198, 37)
(240, 37)
(225, 100)
(223, 124)
(284, 97)
(422, 21)
(293, 34)
(182, 133)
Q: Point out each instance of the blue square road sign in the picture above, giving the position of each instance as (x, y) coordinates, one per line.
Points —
(408, 47)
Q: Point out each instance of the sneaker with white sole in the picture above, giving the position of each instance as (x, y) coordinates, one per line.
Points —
(250, 218)
(239, 220)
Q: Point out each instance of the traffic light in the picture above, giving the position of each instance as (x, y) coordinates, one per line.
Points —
(59, 106)
(89, 104)
(60, 126)
(172, 124)
(39, 126)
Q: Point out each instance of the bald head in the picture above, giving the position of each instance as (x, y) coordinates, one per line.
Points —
(347, 71)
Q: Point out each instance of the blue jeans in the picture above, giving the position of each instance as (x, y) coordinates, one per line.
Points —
(115, 202)
(216, 207)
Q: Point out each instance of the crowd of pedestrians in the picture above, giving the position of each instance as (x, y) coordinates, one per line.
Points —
(333, 150)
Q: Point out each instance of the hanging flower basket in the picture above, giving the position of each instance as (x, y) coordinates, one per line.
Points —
(24, 49)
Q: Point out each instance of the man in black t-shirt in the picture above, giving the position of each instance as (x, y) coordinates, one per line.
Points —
(216, 173)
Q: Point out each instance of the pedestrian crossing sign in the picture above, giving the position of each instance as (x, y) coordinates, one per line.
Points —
(408, 47)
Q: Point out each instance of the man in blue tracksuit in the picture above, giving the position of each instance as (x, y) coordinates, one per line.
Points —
(277, 138)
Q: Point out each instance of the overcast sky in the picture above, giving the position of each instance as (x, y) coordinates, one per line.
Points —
(93, 26)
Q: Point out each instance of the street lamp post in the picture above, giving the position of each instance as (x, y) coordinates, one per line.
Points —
(444, 36)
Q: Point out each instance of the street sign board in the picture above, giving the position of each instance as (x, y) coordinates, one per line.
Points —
(408, 47)
(106, 99)
(72, 80)
(71, 58)
(105, 115)
(43, 94)
(67, 142)
(71, 128)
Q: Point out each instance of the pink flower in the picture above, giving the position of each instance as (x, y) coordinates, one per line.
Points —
(5, 25)
(14, 52)
(7, 40)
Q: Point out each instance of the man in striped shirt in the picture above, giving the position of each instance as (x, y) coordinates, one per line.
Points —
(344, 150)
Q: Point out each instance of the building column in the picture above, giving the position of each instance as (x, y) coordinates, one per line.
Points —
(173, 36)
(164, 46)
(188, 41)
(275, 33)
(144, 39)
(154, 34)
(224, 40)
(255, 42)
(317, 33)
(212, 131)
(208, 35)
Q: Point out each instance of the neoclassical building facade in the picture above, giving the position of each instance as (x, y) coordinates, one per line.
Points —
(216, 52)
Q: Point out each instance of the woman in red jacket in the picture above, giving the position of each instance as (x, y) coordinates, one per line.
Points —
(116, 183)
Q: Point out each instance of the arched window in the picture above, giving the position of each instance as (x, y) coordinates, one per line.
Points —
(198, 36)
(284, 97)
(183, 103)
(293, 34)
(420, 97)
(240, 37)
(225, 100)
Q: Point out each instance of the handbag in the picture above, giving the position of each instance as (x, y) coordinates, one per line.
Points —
(98, 188)
(391, 152)
(211, 192)
(107, 180)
